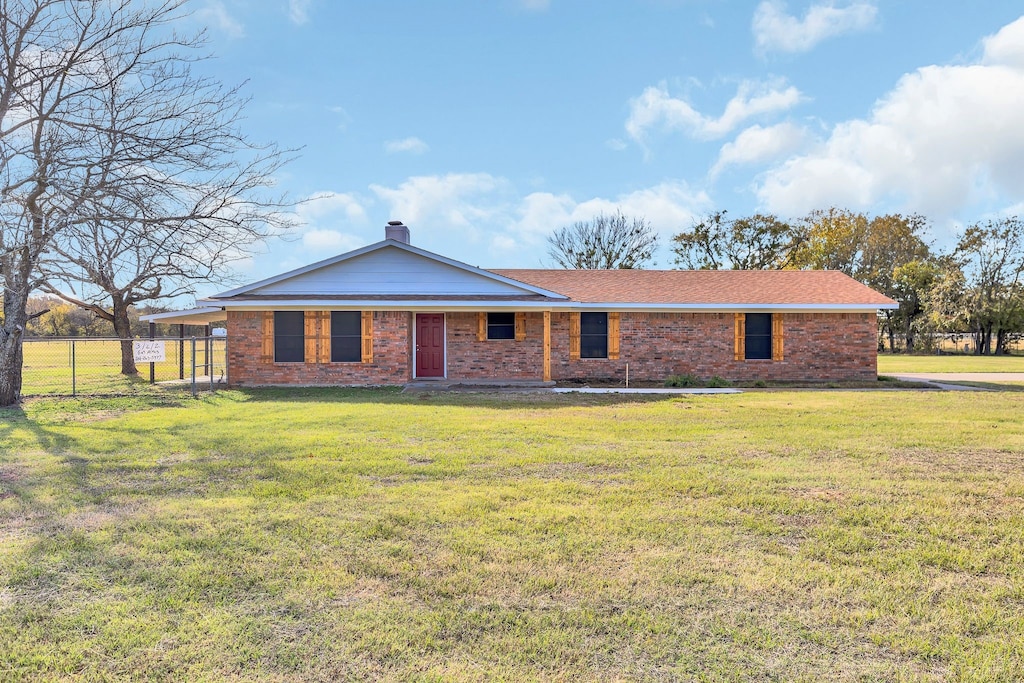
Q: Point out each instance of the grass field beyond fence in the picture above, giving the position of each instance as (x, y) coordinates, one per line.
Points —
(361, 535)
(895, 363)
(60, 367)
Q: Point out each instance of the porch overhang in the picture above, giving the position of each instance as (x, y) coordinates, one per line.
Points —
(194, 316)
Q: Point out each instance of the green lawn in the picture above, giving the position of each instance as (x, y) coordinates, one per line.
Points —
(330, 534)
(895, 363)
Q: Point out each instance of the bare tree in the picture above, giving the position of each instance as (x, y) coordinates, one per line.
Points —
(185, 196)
(605, 242)
(65, 166)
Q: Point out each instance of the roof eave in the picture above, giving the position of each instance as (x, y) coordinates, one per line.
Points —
(505, 304)
(375, 247)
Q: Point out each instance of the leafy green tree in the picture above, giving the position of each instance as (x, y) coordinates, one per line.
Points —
(896, 261)
(873, 250)
(991, 258)
(757, 242)
(833, 239)
(911, 283)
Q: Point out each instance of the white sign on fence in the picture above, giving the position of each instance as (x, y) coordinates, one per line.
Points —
(149, 351)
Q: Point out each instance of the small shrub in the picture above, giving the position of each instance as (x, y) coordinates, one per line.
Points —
(717, 382)
(683, 381)
(761, 384)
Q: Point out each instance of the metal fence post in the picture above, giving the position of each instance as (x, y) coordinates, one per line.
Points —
(209, 356)
(152, 366)
(193, 367)
(74, 378)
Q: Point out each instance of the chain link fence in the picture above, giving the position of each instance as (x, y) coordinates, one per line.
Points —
(947, 343)
(92, 366)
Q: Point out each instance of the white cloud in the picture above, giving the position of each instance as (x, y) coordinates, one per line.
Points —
(462, 201)
(343, 116)
(668, 206)
(322, 205)
(332, 241)
(777, 31)
(298, 11)
(943, 138)
(1006, 47)
(656, 109)
(461, 214)
(411, 145)
(323, 218)
(757, 145)
(215, 14)
(615, 144)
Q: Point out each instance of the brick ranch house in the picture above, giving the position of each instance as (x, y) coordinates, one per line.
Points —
(390, 313)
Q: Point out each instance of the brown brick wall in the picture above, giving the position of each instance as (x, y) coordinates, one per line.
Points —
(392, 348)
(821, 347)
(501, 358)
(818, 347)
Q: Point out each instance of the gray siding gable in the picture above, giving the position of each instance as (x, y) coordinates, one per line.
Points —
(388, 271)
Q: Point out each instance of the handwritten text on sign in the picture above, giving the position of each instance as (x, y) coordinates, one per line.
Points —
(149, 351)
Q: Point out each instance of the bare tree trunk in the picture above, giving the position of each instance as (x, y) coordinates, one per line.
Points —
(11, 351)
(123, 330)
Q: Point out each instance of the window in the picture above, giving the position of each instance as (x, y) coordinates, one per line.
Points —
(346, 336)
(593, 335)
(758, 341)
(289, 337)
(501, 325)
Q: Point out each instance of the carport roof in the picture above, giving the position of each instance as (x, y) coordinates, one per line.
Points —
(193, 316)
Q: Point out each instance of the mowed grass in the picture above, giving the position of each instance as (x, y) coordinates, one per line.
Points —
(332, 535)
(895, 363)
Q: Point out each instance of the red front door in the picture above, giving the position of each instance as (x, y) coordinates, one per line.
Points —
(430, 344)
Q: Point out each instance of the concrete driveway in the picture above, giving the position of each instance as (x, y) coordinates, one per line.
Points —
(949, 380)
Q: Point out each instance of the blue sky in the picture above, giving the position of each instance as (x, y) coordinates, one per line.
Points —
(486, 125)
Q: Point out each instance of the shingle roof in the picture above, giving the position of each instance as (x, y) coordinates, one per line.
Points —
(736, 287)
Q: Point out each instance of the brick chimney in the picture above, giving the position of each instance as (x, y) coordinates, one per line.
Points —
(396, 230)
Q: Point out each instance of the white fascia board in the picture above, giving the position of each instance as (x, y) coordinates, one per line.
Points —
(441, 306)
(192, 316)
(380, 245)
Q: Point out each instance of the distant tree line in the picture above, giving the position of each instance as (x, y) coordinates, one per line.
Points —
(974, 289)
(58, 318)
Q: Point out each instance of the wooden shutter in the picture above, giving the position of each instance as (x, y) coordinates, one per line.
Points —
(777, 336)
(323, 342)
(574, 336)
(481, 326)
(367, 336)
(547, 347)
(310, 333)
(740, 340)
(267, 353)
(520, 326)
(613, 336)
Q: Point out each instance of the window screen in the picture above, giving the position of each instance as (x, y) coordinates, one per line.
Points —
(758, 342)
(346, 336)
(593, 335)
(289, 337)
(501, 325)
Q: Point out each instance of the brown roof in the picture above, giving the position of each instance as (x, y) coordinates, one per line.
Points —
(756, 287)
